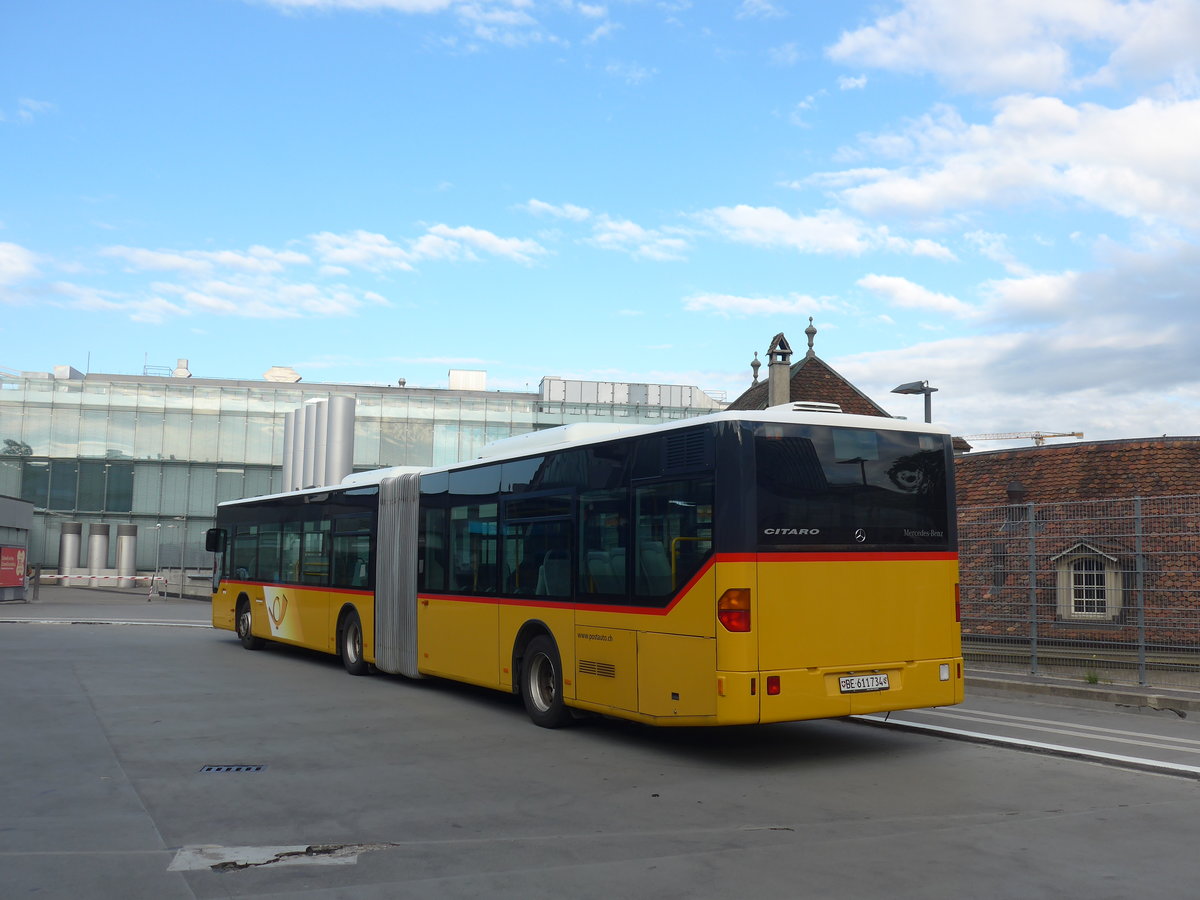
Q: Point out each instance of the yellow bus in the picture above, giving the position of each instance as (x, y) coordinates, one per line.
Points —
(736, 568)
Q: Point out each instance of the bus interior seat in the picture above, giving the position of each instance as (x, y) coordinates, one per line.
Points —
(604, 579)
(654, 569)
(554, 577)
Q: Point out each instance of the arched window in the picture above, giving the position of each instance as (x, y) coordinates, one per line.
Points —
(1090, 584)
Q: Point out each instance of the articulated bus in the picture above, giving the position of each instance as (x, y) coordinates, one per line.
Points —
(741, 567)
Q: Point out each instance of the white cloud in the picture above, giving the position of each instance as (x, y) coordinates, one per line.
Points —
(1136, 161)
(828, 231)
(630, 73)
(361, 249)
(785, 54)
(796, 117)
(507, 22)
(87, 297)
(256, 259)
(403, 6)
(847, 83)
(1039, 45)
(28, 109)
(565, 211)
(661, 245)
(512, 27)
(760, 9)
(516, 249)
(732, 305)
(16, 263)
(901, 292)
(379, 253)
(258, 299)
(1109, 352)
(995, 247)
(601, 31)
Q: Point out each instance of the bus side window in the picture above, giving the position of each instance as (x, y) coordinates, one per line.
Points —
(673, 523)
(245, 553)
(351, 553)
(268, 553)
(473, 550)
(315, 552)
(603, 537)
(433, 550)
(290, 553)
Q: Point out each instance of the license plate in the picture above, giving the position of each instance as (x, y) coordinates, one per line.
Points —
(854, 684)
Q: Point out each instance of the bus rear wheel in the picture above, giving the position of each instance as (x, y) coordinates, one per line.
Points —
(351, 645)
(542, 683)
(244, 623)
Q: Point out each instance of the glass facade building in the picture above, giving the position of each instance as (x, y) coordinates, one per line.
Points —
(160, 452)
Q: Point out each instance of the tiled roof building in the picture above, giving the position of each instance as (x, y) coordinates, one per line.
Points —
(1097, 470)
(1100, 540)
(810, 379)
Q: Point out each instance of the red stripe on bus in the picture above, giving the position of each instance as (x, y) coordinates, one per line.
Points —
(865, 556)
(715, 560)
(299, 587)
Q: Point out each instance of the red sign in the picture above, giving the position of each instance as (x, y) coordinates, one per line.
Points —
(12, 566)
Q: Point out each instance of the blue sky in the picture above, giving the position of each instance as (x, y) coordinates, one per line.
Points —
(1001, 197)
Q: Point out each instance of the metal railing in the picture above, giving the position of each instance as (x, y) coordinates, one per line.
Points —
(1102, 591)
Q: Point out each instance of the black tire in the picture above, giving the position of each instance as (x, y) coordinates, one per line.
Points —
(542, 683)
(350, 645)
(244, 622)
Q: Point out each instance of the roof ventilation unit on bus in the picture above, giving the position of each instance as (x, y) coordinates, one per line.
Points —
(811, 406)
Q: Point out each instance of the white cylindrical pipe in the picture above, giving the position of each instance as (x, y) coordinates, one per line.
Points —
(289, 436)
(339, 451)
(69, 540)
(126, 555)
(308, 473)
(298, 444)
(97, 551)
(321, 441)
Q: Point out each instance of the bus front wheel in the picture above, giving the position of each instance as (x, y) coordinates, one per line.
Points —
(244, 623)
(542, 683)
(352, 645)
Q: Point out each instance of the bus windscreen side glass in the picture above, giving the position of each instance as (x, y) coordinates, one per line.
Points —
(850, 489)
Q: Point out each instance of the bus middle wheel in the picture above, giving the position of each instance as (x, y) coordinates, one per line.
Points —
(542, 683)
(351, 645)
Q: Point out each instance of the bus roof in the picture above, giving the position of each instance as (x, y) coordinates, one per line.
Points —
(582, 434)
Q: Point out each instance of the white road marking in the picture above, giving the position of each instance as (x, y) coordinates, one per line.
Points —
(1180, 745)
(1136, 762)
(162, 622)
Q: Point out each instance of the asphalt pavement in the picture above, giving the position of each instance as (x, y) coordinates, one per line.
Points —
(149, 755)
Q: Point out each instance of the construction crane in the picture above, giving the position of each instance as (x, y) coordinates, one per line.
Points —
(1039, 437)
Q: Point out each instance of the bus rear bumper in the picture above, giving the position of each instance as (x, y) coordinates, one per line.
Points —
(789, 695)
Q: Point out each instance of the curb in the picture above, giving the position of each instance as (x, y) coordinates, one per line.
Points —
(1180, 702)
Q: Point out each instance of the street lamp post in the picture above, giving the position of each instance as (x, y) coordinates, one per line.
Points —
(157, 554)
(919, 387)
(166, 582)
(182, 544)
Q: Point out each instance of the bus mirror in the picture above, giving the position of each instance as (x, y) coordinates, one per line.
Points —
(214, 540)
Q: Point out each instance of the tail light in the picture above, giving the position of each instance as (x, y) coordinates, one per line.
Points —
(733, 610)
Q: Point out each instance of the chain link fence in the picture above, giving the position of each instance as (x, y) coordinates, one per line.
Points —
(1100, 591)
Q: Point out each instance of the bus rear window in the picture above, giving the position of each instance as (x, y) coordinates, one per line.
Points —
(850, 489)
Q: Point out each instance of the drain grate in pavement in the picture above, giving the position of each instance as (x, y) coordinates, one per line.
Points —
(222, 769)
